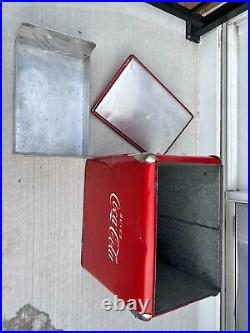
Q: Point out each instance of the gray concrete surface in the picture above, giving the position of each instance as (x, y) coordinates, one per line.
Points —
(42, 203)
(29, 318)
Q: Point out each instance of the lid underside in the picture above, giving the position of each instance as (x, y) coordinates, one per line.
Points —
(141, 109)
(51, 93)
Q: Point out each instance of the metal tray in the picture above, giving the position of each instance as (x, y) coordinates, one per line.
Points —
(141, 109)
(51, 93)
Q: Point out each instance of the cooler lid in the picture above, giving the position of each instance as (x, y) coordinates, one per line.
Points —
(141, 109)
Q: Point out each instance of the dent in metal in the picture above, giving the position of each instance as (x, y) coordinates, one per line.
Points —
(28, 318)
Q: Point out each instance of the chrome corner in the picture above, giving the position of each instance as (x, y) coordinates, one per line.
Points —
(142, 316)
(145, 157)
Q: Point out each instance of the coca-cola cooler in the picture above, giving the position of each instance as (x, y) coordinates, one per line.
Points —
(151, 222)
(152, 228)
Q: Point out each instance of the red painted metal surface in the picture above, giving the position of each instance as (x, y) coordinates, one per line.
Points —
(120, 222)
(188, 159)
(133, 183)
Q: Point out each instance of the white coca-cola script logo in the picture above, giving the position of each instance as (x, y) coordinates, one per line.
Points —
(115, 228)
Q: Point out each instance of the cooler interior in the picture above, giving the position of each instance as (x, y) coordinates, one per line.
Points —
(188, 265)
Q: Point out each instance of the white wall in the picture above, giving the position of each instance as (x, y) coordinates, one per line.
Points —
(209, 94)
(237, 103)
(209, 130)
(243, 106)
(42, 202)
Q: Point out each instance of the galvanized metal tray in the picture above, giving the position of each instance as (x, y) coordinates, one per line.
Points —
(141, 109)
(51, 93)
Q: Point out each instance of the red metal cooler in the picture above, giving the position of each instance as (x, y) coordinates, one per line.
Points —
(152, 228)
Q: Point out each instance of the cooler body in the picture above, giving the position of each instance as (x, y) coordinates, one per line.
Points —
(152, 228)
(119, 226)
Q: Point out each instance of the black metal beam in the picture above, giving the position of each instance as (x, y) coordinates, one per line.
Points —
(223, 11)
(196, 24)
(216, 18)
(222, 15)
(180, 12)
